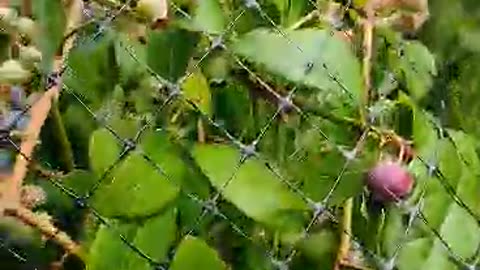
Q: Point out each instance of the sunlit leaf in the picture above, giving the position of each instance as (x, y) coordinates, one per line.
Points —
(153, 237)
(104, 150)
(309, 57)
(197, 90)
(209, 17)
(274, 204)
(141, 187)
(194, 253)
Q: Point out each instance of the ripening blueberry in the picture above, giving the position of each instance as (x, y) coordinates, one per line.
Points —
(17, 96)
(389, 181)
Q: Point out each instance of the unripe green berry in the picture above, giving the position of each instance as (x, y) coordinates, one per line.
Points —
(152, 10)
(26, 27)
(8, 17)
(12, 72)
(29, 56)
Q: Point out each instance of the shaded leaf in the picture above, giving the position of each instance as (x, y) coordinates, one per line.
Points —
(96, 78)
(418, 65)
(130, 68)
(169, 51)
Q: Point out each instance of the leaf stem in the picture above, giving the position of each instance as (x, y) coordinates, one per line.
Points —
(368, 25)
(65, 145)
(346, 231)
(310, 16)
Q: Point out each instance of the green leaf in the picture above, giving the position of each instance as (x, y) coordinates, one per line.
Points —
(157, 234)
(274, 204)
(197, 90)
(108, 251)
(194, 253)
(136, 189)
(209, 17)
(79, 181)
(51, 19)
(130, 69)
(96, 78)
(291, 11)
(104, 149)
(418, 65)
(456, 226)
(293, 60)
(321, 247)
(139, 188)
(169, 51)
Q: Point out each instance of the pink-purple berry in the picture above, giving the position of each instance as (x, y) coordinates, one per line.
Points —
(389, 181)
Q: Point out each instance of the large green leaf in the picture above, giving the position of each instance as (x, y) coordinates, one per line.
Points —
(152, 237)
(335, 67)
(169, 52)
(194, 253)
(254, 189)
(139, 188)
(209, 17)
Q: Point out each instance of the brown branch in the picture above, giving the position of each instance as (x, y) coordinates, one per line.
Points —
(38, 113)
(46, 227)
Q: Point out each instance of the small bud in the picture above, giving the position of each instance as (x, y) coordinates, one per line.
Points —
(29, 56)
(12, 72)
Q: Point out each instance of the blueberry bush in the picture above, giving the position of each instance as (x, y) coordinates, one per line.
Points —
(229, 134)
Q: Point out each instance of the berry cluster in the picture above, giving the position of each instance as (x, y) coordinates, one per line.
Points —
(15, 72)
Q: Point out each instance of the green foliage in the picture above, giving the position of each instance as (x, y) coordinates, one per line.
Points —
(152, 195)
(194, 253)
(275, 205)
(303, 60)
